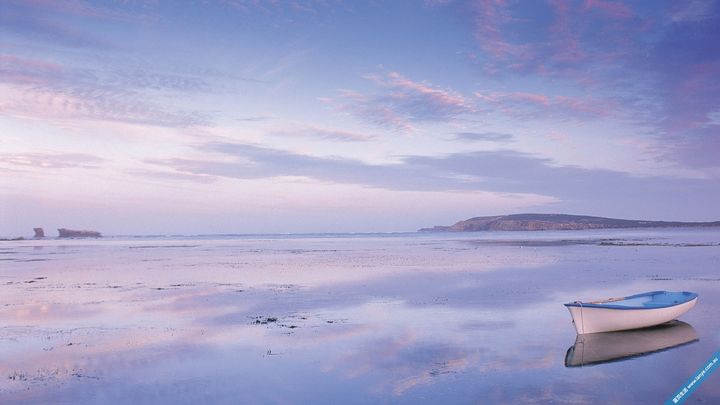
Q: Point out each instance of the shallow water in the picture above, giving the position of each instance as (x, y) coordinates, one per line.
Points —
(408, 318)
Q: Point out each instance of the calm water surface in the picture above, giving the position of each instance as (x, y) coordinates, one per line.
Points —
(454, 318)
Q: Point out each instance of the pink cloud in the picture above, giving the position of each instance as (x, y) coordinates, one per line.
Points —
(42, 89)
(489, 20)
(535, 105)
(403, 103)
(20, 70)
(693, 98)
(564, 32)
(312, 131)
(122, 11)
(692, 10)
(557, 137)
(533, 98)
(51, 160)
(312, 7)
(610, 8)
(366, 109)
(440, 97)
(92, 104)
(579, 33)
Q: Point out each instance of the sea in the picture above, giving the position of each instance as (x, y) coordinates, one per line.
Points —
(431, 318)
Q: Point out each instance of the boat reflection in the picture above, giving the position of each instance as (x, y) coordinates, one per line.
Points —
(596, 348)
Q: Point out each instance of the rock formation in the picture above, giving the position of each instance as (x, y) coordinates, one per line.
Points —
(70, 233)
(39, 233)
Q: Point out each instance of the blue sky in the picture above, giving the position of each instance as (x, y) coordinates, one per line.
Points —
(331, 116)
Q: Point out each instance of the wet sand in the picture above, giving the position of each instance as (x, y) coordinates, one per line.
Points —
(458, 318)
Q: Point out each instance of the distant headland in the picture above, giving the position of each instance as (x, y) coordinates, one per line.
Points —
(556, 222)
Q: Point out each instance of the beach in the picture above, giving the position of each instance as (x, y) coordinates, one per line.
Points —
(344, 318)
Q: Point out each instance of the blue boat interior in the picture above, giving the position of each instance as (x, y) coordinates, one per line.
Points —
(648, 300)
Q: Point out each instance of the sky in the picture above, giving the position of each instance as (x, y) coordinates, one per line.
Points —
(202, 116)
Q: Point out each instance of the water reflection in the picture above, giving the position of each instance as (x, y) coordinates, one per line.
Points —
(404, 320)
(597, 348)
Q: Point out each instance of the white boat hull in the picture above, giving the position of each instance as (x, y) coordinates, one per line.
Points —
(595, 320)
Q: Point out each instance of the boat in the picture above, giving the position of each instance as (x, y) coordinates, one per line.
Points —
(631, 312)
(597, 348)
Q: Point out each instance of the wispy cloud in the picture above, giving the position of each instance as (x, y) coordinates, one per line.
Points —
(19, 70)
(99, 104)
(149, 80)
(484, 136)
(576, 35)
(61, 85)
(51, 160)
(48, 90)
(46, 22)
(257, 118)
(311, 7)
(403, 103)
(684, 64)
(164, 175)
(496, 171)
(119, 11)
(653, 67)
(27, 25)
(614, 9)
(541, 105)
(309, 131)
(693, 10)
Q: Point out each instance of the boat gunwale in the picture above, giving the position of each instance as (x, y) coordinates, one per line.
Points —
(690, 296)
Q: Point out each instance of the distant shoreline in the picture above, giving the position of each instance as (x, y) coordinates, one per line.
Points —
(310, 235)
(557, 222)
